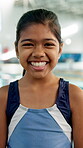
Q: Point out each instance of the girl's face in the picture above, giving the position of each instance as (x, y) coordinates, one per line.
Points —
(38, 50)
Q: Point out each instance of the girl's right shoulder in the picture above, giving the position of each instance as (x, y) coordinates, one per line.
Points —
(3, 96)
(3, 117)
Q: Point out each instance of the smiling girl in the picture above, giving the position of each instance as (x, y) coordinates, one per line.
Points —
(40, 110)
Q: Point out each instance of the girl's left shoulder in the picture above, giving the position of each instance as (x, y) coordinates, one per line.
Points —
(76, 96)
(76, 105)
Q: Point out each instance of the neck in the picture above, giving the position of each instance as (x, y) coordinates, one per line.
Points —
(38, 81)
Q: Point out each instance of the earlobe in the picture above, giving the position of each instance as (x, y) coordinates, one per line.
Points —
(17, 54)
(60, 50)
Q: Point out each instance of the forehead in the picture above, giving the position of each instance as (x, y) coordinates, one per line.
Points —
(38, 31)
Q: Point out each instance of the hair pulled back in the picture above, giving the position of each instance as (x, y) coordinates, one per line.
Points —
(39, 16)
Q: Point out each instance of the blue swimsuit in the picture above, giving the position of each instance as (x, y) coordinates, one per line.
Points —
(39, 128)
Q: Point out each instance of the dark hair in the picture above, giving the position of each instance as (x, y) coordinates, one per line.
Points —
(39, 16)
(23, 72)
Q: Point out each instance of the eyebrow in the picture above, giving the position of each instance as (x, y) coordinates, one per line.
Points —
(27, 40)
(46, 39)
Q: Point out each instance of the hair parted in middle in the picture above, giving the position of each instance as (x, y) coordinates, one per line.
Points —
(39, 16)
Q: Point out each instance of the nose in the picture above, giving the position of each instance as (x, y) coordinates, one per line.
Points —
(38, 52)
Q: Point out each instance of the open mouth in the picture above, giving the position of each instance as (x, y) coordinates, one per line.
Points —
(38, 64)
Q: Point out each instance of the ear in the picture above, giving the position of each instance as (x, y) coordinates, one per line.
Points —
(60, 49)
(16, 49)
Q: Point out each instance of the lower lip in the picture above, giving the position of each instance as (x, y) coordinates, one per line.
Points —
(38, 68)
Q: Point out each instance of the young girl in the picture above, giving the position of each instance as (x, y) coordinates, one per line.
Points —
(40, 110)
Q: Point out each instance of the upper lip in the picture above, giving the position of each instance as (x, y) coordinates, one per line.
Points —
(38, 61)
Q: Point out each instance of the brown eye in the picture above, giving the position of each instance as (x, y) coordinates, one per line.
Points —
(49, 44)
(28, 44)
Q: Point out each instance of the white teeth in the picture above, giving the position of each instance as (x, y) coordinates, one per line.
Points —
(38, 63)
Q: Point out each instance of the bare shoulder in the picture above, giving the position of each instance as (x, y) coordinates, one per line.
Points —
(76, 96)
(3, 96)
(3, 117)
(76, 104)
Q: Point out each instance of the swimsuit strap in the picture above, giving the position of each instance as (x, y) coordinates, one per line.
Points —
(62, 101)
(13, 100)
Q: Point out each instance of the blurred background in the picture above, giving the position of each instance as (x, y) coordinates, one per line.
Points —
(70, 14)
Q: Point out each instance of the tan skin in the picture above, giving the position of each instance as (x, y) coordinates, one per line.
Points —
(41, 45)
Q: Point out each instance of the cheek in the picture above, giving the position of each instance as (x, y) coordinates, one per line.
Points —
(23, 59)
(54, 59)
(24, 55)
(53, 55)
